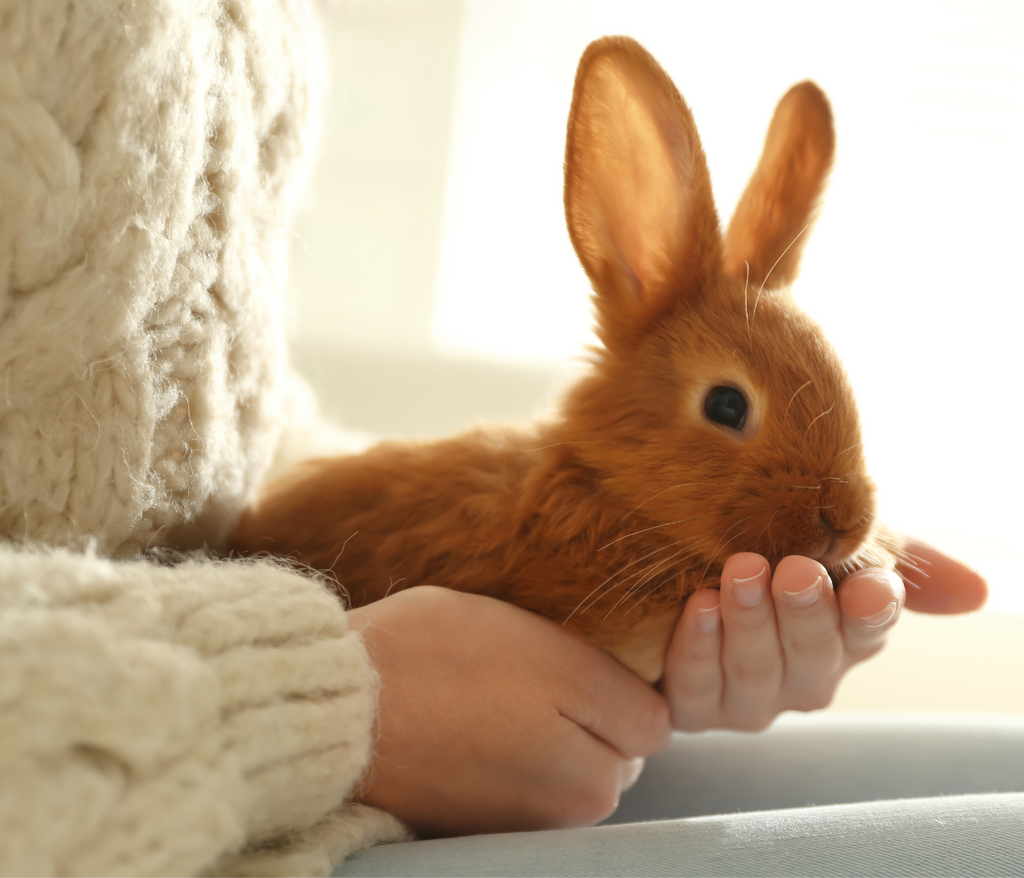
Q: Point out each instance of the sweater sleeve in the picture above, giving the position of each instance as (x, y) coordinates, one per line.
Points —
(208, 717)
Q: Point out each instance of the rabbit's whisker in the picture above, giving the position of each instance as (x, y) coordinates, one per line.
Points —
(906, 565)
(342, 550)
(912, 556)
(651, 572)
(688, 485)
(819, 417)
(714, 552)
(656, 526)
(393, 583)
(807, 383)
(767, 528)
(770, 270)
(841, 453)
(673, 572)
(638, 576)
(654, 587)
(721, 545)
(572, 442)
(746, 313)
(641, 576)
(909, 561)
(614, 575)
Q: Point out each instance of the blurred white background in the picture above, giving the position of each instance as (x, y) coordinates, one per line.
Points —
(434, 283)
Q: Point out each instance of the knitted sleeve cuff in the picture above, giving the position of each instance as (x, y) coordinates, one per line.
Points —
(161, 720)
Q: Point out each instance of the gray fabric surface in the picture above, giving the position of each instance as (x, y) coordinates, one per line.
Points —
(819, 795)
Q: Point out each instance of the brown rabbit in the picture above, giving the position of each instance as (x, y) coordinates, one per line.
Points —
(716, 418)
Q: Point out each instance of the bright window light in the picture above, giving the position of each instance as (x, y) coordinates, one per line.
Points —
(913, 269)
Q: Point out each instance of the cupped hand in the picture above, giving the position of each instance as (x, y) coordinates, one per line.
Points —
(493, 719)
(768, 643)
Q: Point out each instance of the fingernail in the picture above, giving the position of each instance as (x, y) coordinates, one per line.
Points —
(879, 619)
(707, 619)
(665, 744)
(750, 591)
(631, 773)
(810, 595)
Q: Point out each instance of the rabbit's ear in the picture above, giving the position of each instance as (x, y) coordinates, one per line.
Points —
(637, 192)
(769, 228)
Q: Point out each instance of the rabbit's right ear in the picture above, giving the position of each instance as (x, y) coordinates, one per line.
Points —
(638, 197)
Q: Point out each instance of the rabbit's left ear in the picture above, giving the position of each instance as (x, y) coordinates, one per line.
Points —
(769, 228)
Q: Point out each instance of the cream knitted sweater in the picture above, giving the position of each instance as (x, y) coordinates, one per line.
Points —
(210, 716)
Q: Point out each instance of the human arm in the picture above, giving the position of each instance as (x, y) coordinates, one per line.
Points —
(169, 720)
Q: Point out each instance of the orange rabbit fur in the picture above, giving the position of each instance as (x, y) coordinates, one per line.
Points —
(607, 516)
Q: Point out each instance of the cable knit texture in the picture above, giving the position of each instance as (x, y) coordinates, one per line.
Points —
(150, 159)
(155, 721)
(209, 717)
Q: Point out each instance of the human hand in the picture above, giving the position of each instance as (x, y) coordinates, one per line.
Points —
(764, 644)
(494, 719)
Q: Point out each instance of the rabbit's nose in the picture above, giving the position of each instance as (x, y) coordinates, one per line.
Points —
(827, 523)
(833, 536)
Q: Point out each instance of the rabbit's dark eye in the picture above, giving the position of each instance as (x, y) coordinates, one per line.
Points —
(726, 406)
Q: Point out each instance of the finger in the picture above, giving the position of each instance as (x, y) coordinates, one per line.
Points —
(585, 786)
(613, 704)
(938, 583)
(808, 618)
(870, 601)
(693, 664)
(751, 655)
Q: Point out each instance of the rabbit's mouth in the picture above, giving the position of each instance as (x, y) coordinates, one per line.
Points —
(838, 547)
(835, 554)
(880, 549)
